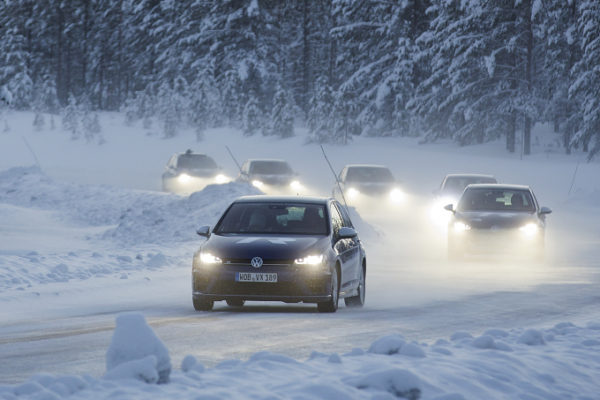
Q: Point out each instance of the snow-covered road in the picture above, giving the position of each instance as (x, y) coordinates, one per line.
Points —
(74, 254)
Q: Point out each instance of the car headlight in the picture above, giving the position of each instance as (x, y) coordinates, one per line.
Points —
(396, 195)
(184, 178)
(310, 260)
(461, 227)
(258, 183)
(295, 185)
(208, 258)
(221, 179)
(352, 193)
(530, 229)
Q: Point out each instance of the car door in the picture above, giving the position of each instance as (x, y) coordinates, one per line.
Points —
(347, 249)
(355, 247)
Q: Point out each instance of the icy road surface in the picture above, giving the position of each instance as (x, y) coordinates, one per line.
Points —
(75, 254)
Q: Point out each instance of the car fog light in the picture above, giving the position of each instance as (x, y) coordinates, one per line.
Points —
(257, 183)
(352, 193)
(396, 195)
(207, 258)
(296, 185)
(529, 230)
(461, 227)
(221, 179)
(309, 260)
(184, 179)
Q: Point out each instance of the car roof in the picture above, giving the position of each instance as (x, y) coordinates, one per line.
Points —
(266, 159)
(498, 186)
(282, 199)
(470, 176)
(365, 166)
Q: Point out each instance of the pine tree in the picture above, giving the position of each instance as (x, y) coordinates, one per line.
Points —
(282, 119)
(586, 87)
(251, 122)
(320, 123)
(71, 118)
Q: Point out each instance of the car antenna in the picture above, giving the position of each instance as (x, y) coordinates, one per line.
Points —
(234, 160)
(337, 181)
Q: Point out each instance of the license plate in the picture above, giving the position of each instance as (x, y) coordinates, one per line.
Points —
(256, 277)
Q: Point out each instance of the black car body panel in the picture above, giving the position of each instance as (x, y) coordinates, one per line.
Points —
(500, 226)
(280, 275)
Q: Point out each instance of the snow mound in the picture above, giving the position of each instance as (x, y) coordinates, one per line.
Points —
(398, 382)
(136, 352)
(532, 337)
(389, 345)
(176, 220)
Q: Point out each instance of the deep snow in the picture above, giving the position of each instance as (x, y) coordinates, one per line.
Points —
(89, 235)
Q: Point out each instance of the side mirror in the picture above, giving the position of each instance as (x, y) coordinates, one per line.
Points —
(545, 210)
(449, 207)
(347, 233)
(204, 231)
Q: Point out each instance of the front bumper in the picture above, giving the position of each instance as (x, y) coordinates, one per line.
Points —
(295, 283)
(484, 241)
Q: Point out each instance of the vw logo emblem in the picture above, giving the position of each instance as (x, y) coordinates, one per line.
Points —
(256, 262)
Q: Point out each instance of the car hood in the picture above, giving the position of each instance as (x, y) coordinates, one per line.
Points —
(499, 220)
(268, 247)
(372, 187)
(199, 172)
(273, 179)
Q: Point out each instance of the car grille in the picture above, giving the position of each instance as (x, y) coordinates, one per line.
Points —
(266, 262)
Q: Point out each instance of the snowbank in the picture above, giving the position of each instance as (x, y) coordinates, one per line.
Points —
(557, 363)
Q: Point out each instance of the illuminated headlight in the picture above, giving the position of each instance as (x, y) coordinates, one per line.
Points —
(530, 229)
(396, 195)
(352, 193)
(221, 179)
(295, 185)
(257, 183)
(461, 227)
(207, 258)
(309, 260)
(184, 179)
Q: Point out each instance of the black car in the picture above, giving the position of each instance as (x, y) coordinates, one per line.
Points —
(291, 249)
(497, 218)
(189, 171)
(270, 175)
(358, 181)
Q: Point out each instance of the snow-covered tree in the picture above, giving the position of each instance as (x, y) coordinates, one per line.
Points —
(586, 86)
(320, 123)
(282, 118)
(251, 121)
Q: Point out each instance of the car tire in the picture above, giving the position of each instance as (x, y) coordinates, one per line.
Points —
(202, 304)
(235, 302)
(358, 300)
(331, 305)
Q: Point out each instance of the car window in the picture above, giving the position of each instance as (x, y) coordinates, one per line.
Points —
(196, 161)
(369, 174)
(270, 168)
(284, 218)
(345, 217)
(482, 199)
(336, 220)
(456, 184)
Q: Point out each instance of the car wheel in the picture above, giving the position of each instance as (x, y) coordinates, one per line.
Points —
(358, 300)
(202, 304)
(331, 305)
(235, 302)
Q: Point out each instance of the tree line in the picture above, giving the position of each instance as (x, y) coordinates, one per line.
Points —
(466, 70)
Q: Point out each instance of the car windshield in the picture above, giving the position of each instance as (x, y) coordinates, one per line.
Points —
(274, 218)
(369, 174)
(270, 168)
(456, 184)
(195, 161)
(481, 199)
